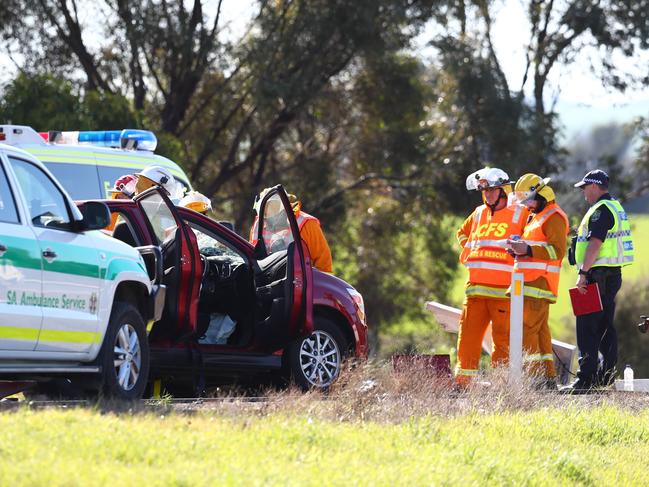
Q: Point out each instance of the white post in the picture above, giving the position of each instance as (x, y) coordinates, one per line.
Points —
(516, 328)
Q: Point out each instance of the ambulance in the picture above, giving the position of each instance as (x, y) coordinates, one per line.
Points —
(87, 163)
(74, 302)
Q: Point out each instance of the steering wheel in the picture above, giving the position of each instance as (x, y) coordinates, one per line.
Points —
(206, 266)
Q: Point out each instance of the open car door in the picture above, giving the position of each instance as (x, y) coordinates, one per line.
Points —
(277, 231)
(182, 266)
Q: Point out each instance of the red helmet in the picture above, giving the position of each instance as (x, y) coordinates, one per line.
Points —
(125, 184)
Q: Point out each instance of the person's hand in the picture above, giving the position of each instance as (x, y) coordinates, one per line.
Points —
(582, 282)
(518, 247)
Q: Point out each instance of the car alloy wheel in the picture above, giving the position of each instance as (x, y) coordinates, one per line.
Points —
(127, 357)
(320, 358)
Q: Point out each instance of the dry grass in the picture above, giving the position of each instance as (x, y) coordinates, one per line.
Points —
(375, 392)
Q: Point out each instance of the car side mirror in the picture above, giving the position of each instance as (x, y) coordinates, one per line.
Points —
(96, 216)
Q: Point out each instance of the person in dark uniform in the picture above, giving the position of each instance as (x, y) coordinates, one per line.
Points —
(603, 246)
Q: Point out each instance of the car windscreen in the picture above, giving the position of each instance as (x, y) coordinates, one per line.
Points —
(209, 244)
(80, 180)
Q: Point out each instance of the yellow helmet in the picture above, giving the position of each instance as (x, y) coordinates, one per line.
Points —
(296, 204)
(196, 201)
(529, 185)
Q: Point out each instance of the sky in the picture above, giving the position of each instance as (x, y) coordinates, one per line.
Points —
(581, 99)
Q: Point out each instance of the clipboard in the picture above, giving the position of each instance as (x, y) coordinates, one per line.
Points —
(590, 302)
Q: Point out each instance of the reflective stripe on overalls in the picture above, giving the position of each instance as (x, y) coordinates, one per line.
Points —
(533, 268)
(484, 253)
(617, 248)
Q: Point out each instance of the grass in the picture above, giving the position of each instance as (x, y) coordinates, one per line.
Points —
(597, 447)
(561, 317)
(376, 429)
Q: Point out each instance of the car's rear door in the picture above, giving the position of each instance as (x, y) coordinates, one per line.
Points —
(277, 231)
(182, 264)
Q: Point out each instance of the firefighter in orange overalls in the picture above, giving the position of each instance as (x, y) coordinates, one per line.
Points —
(483, 237)
(538, 256)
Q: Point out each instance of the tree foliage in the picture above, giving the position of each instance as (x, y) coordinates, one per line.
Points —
(326, 97)
(46, 102)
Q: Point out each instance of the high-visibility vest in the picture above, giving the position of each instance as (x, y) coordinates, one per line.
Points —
(484, 251)
(617, 249)
(271, 236)
(533, 268)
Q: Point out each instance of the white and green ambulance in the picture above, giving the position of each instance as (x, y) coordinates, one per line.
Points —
(74, 302)
(88, 163)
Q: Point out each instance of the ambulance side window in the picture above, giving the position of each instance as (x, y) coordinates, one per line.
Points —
(109, 174)
(79, 180)
(8, 211)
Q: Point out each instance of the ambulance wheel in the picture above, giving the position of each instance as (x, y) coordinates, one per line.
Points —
(316, 361)
(124, 358)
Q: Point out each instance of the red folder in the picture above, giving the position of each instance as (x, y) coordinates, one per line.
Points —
(583, 304)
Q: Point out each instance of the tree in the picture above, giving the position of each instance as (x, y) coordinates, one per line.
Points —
(48, 103)
(42, 102)
(240, 99)
(560, 30)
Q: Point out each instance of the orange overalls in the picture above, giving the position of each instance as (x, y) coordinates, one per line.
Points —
(545, 233)
(482, 236)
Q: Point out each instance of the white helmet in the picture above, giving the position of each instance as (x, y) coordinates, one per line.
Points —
(196, 201)
(163, 177)
(488, 177)
(159, 175)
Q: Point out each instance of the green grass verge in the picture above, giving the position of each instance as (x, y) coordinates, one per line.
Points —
(601, 446)
(561, 317)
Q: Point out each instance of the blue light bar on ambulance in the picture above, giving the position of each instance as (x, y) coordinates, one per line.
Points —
(138, 139)
(102, 138)
(126, 139)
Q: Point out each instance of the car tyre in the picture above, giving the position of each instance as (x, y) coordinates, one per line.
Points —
(124, 357)
(316, 361)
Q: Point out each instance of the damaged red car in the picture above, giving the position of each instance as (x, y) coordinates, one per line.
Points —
(235, 313)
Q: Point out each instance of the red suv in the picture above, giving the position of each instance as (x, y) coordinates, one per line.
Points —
(234, 312)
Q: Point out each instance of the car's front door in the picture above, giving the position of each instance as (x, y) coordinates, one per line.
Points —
(71, 265)
(21, 315)
(182, 264)
(277, 231)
